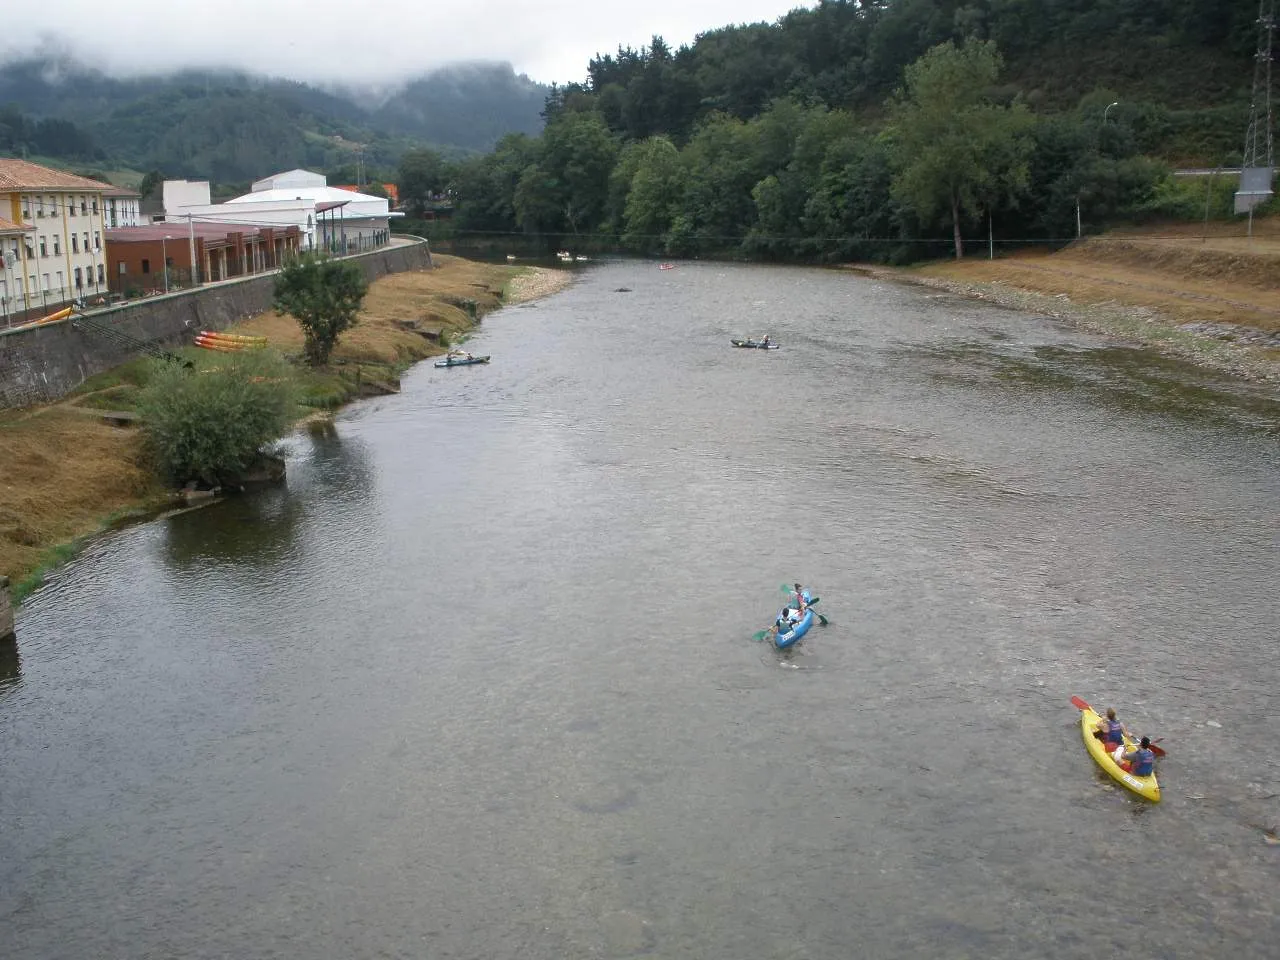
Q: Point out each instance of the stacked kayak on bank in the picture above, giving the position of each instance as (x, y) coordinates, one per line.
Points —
(228, 342)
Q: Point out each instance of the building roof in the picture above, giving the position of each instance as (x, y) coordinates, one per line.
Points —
(289, 179)
(18, 175)
(179, 231)
(318, 194)
(8, 226)
(119, 191)
(330, 205)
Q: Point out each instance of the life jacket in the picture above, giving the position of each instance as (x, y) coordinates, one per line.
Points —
(1144, 761)
(1113, 733)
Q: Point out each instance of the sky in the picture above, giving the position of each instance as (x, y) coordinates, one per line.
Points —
(368, 41)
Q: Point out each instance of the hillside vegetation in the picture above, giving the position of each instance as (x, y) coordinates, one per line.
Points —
(889, 130)
(233, 127)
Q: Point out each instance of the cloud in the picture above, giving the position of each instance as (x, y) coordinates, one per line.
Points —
(377, 40)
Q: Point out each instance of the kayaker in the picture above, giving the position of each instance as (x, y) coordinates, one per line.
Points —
(800, 604)
(1140, 762)
(1110, 730)
(782, 624)
(765, 340)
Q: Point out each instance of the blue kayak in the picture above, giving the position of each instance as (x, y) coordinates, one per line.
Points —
(798, 630)
(785, 638)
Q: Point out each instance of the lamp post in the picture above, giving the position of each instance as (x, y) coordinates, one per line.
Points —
(164, 260)
(1108, 110)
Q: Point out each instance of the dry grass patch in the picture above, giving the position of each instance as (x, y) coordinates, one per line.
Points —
(64, 472)
(1185, 284)
(431, 300)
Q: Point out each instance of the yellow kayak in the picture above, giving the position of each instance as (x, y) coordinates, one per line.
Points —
(1146, 787)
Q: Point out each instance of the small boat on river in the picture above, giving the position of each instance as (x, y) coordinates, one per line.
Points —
(1146, 787)
(755, 344)
(461, 361)
(790, 631)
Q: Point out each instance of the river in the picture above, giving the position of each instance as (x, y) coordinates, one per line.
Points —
(479, 681)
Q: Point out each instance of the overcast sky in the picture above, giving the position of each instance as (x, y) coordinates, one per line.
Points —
(365, 40)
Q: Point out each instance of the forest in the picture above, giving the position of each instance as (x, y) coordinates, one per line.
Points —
(874, 129)
(231, 127)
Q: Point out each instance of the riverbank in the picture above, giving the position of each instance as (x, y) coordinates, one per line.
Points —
(76, 468)
(1210, 298)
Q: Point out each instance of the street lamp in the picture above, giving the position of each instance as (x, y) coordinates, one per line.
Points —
(1108, 110)
(165, 261)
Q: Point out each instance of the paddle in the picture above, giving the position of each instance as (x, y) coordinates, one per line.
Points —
(1080, 704)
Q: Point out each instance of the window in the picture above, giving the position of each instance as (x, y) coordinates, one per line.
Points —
(31, 254)
(121, 268)
(62, 280)
(75, 243)
(146, 265)
(97, 241)
(45, 278)
(95, 206)
(57, 245)
(71, 206)
(40, 206)
(84, 206)
(102, 274)
(86, 241)
(26, 208)
(44, 250)
(79, 279)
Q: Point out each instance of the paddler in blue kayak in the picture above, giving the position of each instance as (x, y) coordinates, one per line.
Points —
(1140, 762)
(801, 600)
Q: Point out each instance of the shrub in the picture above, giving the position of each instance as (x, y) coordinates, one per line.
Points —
(210, 425)
(324, 296)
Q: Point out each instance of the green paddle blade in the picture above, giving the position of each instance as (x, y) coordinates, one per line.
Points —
(760, 635)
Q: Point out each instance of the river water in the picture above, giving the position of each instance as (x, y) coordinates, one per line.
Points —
(480, 681)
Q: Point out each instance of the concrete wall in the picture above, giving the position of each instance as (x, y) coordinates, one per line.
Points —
(6, 612)
(41, 364)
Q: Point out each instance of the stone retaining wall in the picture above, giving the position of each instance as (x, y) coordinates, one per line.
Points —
(41, 364)
(6, 612)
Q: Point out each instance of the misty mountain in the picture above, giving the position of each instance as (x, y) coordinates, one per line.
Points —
(484, 100)
(232, 126)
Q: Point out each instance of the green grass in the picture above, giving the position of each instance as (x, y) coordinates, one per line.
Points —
(64, 553)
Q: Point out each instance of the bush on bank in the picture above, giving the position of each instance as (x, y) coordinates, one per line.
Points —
(211, 425)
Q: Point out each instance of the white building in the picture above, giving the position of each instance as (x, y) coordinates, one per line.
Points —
(122, 207)
(339, 221)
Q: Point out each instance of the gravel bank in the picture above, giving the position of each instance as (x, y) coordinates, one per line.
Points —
(1213, 348)
(536, 282)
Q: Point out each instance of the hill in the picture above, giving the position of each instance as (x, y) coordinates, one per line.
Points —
(230, 126)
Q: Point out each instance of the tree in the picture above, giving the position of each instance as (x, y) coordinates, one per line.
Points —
(422, 175)
(324, 296)
(211, 425)
(151, 182)
(657, 191)
(958, 151)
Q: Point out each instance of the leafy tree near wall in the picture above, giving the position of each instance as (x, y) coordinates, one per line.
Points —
(324, 296)
(959, 153)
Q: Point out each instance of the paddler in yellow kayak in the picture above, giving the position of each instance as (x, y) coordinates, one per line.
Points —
(1140, 762)
(1110, 731)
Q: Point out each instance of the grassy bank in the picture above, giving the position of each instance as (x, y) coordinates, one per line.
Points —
(1210, 296)
(77, 467)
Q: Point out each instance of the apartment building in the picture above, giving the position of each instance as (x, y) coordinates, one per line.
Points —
(52, 252)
